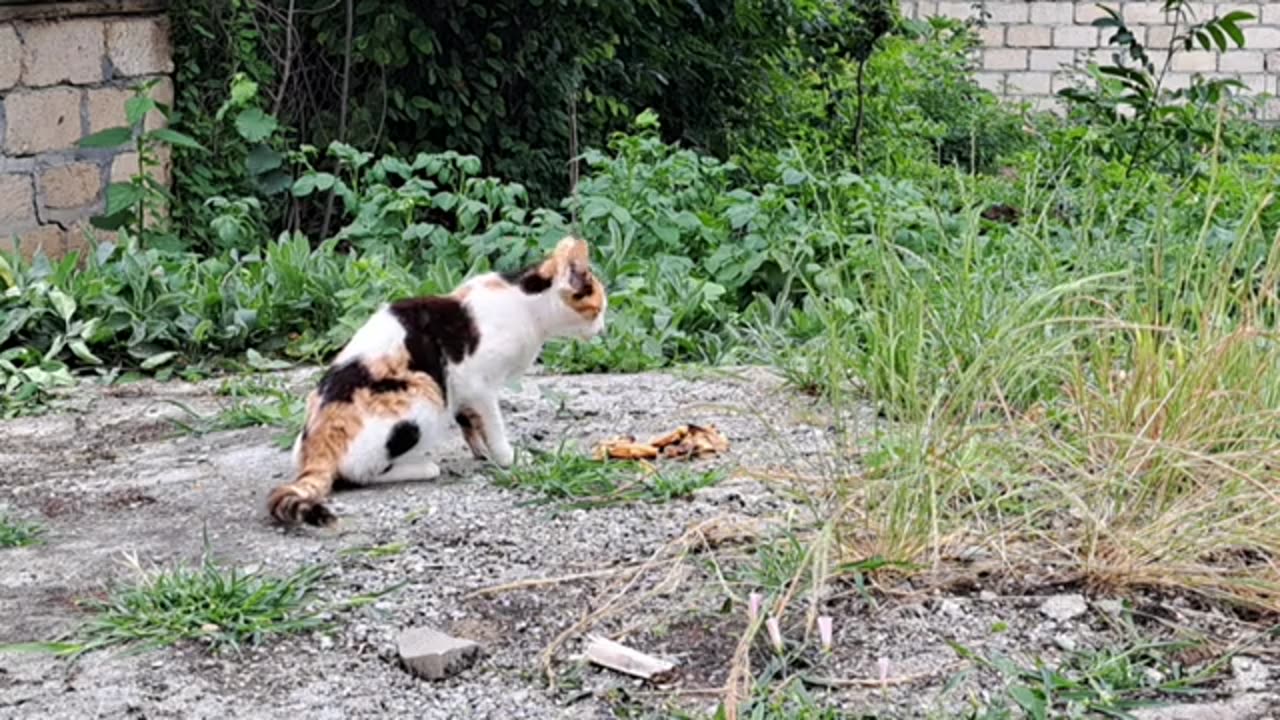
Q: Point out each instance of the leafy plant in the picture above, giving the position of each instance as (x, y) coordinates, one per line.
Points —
(1090, 683)
(131, 206)
(1130, 96)
(263, 164)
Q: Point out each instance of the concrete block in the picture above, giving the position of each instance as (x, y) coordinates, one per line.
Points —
(432, 655)
(10, 57)
(71, 186)
(62, 51)
(1007, 12)
(1051, 60)
(41, 120)
(1031, 36)
(17, 203)
(1052, 13)
(1004, 59)
(1030, 83)
(1075, 36)
(1144, 13)
(140, 46)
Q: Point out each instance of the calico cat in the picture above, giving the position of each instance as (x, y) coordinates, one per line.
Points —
(418, 366)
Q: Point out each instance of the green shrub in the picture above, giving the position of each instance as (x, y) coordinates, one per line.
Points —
(922, 107)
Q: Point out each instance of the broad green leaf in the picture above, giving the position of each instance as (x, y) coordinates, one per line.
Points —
(263, 159)
(275, 182)
(158, 359)
(1030, 701)
(255, 125)
(137, 107)
(63, 303)
(258, 362)
(109, 138)
(1229, 26)
(173, 137)
(304, 185)
(242, 89)
(1219, 38)
(81, 351)
(122, 196)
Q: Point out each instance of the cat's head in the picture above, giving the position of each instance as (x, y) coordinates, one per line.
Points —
(575, 297)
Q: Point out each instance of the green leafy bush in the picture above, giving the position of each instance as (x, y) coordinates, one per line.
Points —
(920, 107)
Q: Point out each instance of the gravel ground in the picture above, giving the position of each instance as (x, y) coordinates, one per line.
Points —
(112, 476)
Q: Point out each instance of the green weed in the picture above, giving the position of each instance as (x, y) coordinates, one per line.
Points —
(18, 533)
(222, 608)
(1109, 682)
(573, 480)
(375, 552)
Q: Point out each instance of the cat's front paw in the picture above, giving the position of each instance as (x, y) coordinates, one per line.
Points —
(503, 456)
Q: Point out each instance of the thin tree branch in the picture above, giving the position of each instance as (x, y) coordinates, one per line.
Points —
(344, 100)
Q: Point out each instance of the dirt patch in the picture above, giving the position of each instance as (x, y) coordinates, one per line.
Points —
(117, 477)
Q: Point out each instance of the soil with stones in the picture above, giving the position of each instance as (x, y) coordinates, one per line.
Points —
(114, 476)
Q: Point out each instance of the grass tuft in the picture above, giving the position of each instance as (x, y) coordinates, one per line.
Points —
(223, 608)
(577, 481)
(18, 533)
(1107, 682)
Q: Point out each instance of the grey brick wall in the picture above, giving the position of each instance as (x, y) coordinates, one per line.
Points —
(1027, 44)
(63, 77)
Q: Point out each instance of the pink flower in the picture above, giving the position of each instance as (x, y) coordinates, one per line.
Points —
(824, 631)
(775, 633)
(753, 606)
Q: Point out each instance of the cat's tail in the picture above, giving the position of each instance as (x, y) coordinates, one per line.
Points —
(302, 501)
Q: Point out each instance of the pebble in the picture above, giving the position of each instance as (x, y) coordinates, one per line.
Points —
(1064, 607)
(1249, 675)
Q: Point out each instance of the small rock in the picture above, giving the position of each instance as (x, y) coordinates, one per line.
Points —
(1066, 642)
(1064, 607)
(1111, 607)
(1153, 677)
(951, 608)
(988, 596)
(433, 655)
(1249, 674)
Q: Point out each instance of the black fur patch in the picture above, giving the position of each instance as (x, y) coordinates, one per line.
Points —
(463, 421)
(581, 284)
(438, 331)
(340, 382)
(404, 435)
(528, 280)
(388, 385)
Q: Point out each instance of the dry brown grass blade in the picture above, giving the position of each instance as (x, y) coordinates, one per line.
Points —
(529, 583)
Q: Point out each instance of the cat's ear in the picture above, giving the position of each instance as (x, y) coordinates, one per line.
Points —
(572, 251)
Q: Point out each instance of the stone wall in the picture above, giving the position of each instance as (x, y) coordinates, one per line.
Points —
(1028, 42)
(66, 70)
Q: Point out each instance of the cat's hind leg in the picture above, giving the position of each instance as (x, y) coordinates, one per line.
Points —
(469, 421)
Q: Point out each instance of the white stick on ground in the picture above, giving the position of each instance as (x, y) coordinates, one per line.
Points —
(623, 659)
